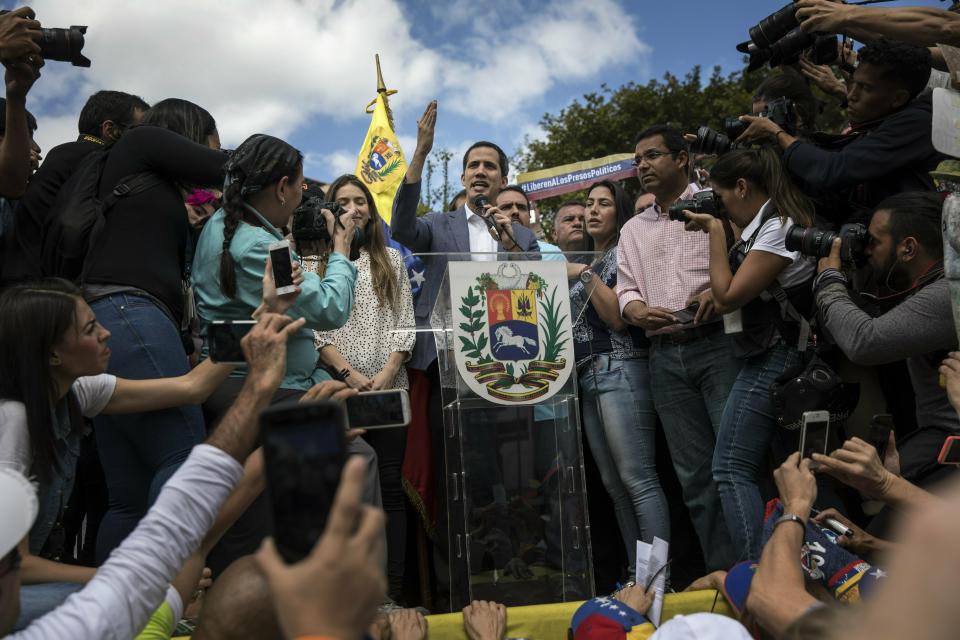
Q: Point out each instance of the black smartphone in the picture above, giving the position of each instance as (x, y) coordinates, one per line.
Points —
(223, 338)
(379, 409)
(687, 314)
(281, 262)
(879, 434)
(304, 451)
(814, 431)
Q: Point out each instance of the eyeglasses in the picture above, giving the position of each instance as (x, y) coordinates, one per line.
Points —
(651, 156)
(11, 562)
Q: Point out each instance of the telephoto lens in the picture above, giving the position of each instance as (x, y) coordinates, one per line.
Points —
(710, 142)
(810, 241)
(774, 26)
(64, 45)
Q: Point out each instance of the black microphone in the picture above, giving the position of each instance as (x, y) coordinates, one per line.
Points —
(481, 203)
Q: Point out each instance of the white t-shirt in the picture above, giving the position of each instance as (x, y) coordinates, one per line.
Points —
(772, 238)
(93, 393)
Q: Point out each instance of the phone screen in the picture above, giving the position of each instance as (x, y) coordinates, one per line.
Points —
(280, 261)
(376, 409)
(687, 314)
(814, 431)
(304, 453)
(224, 339)
(880, 427)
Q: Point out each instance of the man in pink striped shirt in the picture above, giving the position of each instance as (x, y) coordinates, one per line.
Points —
(663, 269)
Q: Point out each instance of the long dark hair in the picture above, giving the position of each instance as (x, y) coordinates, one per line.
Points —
(762, 168)
(620, 200)
(261, 160)
(385, 283)
(34, 316)
(182, 116)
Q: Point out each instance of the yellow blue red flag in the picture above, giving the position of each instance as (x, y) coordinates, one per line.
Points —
(380, 163)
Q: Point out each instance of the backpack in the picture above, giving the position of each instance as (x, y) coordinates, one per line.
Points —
(78, 215)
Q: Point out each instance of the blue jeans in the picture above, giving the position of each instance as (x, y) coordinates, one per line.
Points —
(690, 384)
(747, 429)
(37, 600)
(140, 451)
(621, 427)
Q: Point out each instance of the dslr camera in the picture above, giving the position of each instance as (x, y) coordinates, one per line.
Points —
(814, 242)
(778, 39)
(64, 45)
(308, 224)
(781, 110)
(702, 202)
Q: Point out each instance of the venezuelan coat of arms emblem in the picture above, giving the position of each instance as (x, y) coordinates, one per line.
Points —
(512, 341)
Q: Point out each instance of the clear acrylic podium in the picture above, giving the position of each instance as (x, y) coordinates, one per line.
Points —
(515, 526)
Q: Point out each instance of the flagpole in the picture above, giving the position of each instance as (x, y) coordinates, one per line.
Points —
(382, 89)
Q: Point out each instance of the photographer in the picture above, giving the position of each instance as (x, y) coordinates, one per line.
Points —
(135, 284)
(104, 118)
(905, 252)
(763, 202)
(19, 154)
(889, 149)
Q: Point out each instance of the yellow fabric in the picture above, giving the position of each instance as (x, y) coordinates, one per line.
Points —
(380, 163)
(160, 626)
(551, 621)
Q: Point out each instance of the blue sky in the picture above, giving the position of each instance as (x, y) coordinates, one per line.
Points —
(303, 69)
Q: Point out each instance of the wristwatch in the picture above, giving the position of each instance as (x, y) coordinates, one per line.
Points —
(789, 517)
(586, 276)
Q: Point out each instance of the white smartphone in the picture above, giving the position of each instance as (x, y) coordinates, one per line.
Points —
(282, 263)
(814, 431)
(379, 409)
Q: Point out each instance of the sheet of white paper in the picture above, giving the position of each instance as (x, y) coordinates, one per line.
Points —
(650, 558)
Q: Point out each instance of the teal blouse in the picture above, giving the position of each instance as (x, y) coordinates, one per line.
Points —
(324, 302)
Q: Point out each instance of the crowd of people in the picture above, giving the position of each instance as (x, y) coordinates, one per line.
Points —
(726, 293)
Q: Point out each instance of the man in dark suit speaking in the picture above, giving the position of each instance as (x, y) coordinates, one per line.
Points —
(466, 230)
(479, 232)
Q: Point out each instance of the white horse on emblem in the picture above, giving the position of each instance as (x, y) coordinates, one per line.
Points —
(505, 338)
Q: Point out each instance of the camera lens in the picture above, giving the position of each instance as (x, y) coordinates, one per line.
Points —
(734, 127)
(64, 45)
(810, 241)
(774, 26)
(710, 142)
(787, 49)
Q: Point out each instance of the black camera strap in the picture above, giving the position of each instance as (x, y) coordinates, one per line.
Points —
(787, 310)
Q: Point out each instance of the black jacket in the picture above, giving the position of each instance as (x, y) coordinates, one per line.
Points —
(22, 247)
(892, 156)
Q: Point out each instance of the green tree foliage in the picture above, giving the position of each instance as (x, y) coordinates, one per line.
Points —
(607, 121)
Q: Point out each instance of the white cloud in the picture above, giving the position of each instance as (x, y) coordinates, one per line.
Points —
(273, 67)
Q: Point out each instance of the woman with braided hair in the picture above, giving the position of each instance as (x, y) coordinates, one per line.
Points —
(264, 184)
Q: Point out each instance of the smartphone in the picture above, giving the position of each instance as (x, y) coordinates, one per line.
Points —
(814, 430)
(223, 338)
(879, 433)
(687, 314)
(281, 261)
(950, 453)
(379, 409)
(304, 451)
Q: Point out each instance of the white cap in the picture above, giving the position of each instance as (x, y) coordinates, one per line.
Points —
(18, 508)
(702, 626)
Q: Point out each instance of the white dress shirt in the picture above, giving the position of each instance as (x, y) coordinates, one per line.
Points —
(480, 238)
(132, 583)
